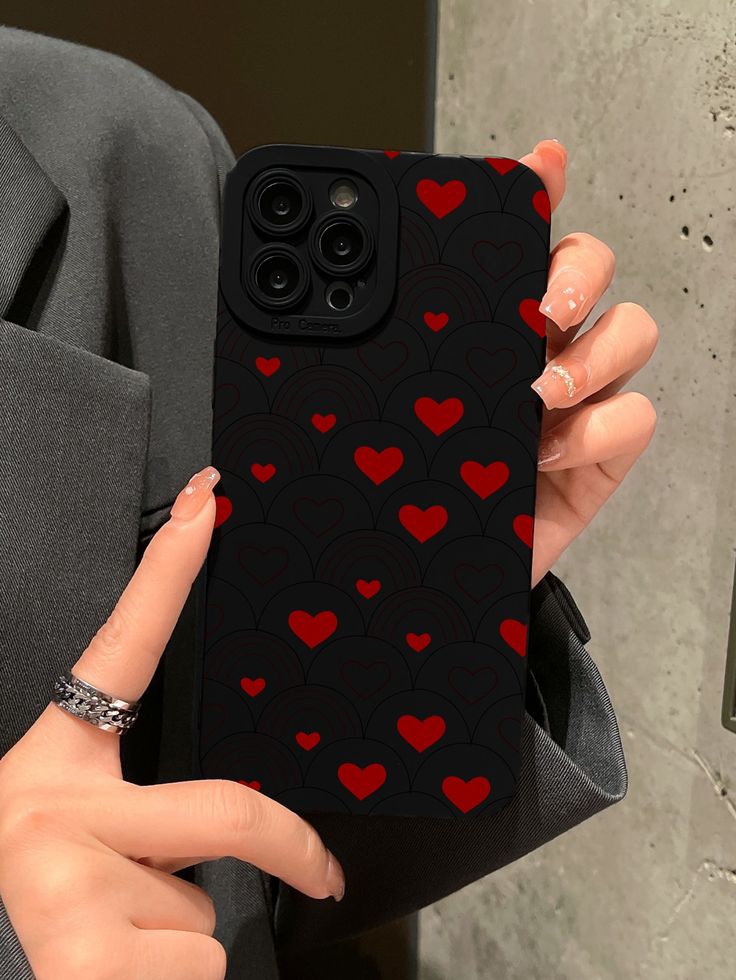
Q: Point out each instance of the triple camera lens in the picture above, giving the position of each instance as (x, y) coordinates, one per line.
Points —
(340, 244)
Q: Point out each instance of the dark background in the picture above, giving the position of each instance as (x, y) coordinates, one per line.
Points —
(354, 73)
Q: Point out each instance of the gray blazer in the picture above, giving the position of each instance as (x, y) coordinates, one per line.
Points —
(110, 185)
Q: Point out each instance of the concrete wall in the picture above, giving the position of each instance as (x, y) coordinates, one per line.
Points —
(644, 96)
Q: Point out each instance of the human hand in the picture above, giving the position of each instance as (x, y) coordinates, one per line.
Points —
(86, 859)
(592, 433)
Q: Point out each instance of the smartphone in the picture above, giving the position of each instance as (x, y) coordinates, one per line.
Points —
(368, 584)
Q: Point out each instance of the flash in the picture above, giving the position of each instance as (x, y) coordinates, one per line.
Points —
(343, 194)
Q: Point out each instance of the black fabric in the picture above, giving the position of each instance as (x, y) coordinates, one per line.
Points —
(110, 188)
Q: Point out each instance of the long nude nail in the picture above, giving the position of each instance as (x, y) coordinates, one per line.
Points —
(550, 450)
(192, 498)
(335, 880)
(565, 298)
(561, 380)
(552, 145)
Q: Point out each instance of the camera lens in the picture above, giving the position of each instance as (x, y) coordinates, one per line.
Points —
(279, 203)
(278, 277)
(342, 244)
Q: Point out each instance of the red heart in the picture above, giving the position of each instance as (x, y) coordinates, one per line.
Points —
(368, 589)
(252, 784)
(420, 734)
(423, 524)
(378, 467)
(441, 199)
(533, 316)
(392, 154)
(484, 480)
(466, 795)
(502, 165)
(312, 630)
(439, 416)
(418, 641)
(252, 685)
(263, 472)
(361, 782)
(223, 509)
(514, 633)
(307, 740)
(268, 365)
(524, 528)
(540, 203)
(323, 423)
(436, 321)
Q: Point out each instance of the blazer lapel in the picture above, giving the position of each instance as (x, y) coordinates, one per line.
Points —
(31, 203)
(74, 433)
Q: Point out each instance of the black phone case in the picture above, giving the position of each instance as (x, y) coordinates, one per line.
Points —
(368, 584)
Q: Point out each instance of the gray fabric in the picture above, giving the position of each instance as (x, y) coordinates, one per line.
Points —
(110, 188)
(109, 217)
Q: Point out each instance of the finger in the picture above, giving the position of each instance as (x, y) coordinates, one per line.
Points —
(223, 818)
(152, 899)
(171, 864)
(599, 432)
(548, 160)
(588, 456)
(620, 342)
(158, 953)
(581, 269)
(124, 654)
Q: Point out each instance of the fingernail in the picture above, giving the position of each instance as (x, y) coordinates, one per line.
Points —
(335, 881)
(558, 383)
(192, 498)
(553, 146)
(565, 297)
(550, 450)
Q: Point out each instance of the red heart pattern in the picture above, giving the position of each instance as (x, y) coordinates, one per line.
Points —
(523, 525)
(441, 199)
(308, 740)
(268, 365)
(312, 629)
(540, 203)
(368, 589)
(251, 784)
(484, 480)
(533, 317)
(418, 641)
(502, 165)
(378, 466)
(323, 423)
(263, 472)
(253, 686)
(421, 733)
(466, 794)
(423, 524)
(223, 509)
(514, 633)
(362, 782)
(436, 321)
(439, 416)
